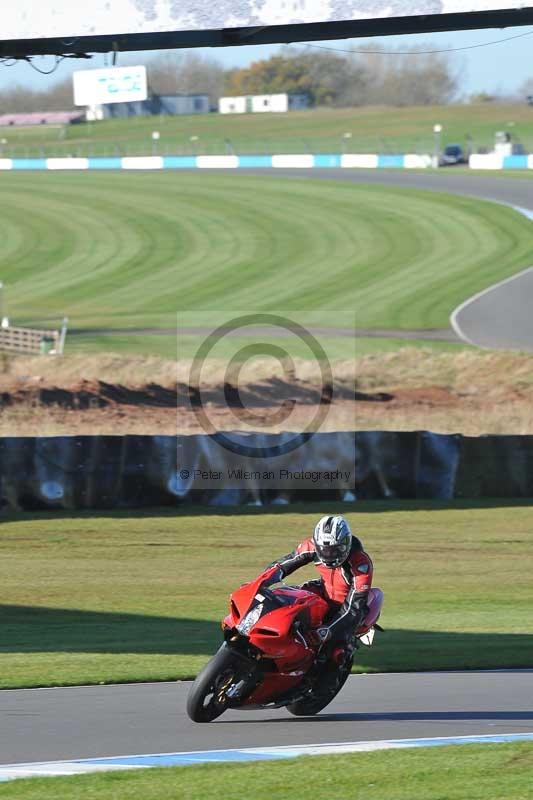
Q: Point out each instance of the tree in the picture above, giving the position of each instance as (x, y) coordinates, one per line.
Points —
(187, 73)
(409, 80)
(525, 92)
(20, 100)
(352, 79)
(327, 78)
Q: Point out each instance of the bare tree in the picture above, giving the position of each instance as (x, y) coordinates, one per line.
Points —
(60, 96)
(525, 92)
(19, 99)
(410, 80)
(187, 73)
(163, 73)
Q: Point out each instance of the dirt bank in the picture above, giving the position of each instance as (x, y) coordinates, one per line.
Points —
(467, 392)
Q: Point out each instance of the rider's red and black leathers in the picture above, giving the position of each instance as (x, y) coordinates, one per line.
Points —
(345, 588)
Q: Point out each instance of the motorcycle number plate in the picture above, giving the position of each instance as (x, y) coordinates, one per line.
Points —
(368, 638)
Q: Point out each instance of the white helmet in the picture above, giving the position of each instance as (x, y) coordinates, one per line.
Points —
(333, 539)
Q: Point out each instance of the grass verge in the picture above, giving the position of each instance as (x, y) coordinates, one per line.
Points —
(130, 250)
(373, 129)
(468, 772)
(123, 597)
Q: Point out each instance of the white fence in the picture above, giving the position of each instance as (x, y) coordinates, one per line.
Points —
(32, 341)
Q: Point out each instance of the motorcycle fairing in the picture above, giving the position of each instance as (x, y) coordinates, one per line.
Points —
(375, 604)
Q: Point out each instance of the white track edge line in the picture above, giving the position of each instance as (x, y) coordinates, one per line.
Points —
(525, 212)
(453, 316)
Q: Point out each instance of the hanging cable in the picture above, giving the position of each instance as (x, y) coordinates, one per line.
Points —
(58, 60)
(419, 52)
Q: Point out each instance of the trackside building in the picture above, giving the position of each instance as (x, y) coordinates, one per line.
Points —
(154, 105)
(261, 103)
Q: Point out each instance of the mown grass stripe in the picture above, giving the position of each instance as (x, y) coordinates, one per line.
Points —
(122, 249)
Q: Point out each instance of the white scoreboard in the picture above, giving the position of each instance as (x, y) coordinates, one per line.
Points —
(94, 87)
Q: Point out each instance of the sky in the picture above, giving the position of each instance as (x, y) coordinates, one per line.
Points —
(492, 68)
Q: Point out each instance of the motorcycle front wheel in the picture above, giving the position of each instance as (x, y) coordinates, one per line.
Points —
(207, 699)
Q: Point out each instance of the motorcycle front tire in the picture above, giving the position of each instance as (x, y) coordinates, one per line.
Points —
(203, 703)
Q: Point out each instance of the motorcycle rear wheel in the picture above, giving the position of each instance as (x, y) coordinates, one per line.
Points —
(308, 707)
(206, 700)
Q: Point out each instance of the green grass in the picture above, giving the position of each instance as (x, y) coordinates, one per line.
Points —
(519, 174)
(373, 129)
(126, 250)
(168, 345)
(471, 772)
(366, 345)
(120, 597)
(165, 345)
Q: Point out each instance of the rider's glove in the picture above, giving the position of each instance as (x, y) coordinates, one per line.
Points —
(276, 575)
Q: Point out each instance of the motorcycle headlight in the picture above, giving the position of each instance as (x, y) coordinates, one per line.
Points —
(247, 622)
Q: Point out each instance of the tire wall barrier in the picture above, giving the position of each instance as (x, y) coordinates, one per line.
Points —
(99, 472)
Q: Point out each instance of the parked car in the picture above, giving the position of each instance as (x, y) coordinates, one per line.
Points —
(452, 154)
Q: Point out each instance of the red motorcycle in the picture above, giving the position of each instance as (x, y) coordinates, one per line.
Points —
(271, 657)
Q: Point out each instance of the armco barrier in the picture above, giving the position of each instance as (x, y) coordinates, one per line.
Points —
(295, 160)
(92, 472)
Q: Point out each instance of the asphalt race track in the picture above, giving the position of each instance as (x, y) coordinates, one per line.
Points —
(511, 191)
(499, 317)
(49, 724)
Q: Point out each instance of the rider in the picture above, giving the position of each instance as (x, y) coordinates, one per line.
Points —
(345, 576)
